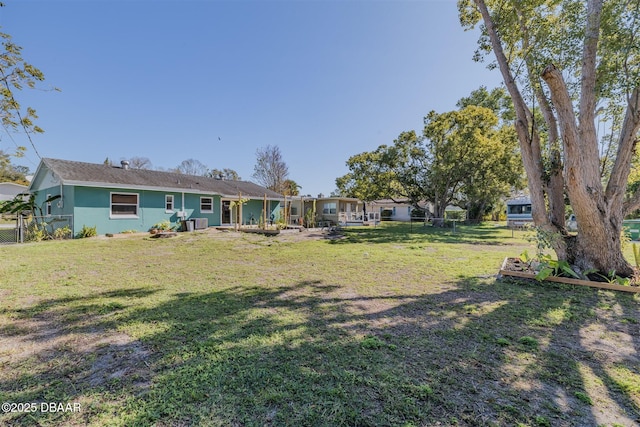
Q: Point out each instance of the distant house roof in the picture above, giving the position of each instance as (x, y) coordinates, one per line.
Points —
(101, 175)
(519, 201)
(9, 190)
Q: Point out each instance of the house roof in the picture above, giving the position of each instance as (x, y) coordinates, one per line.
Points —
(524, 200)
(13, 186)
(8, 190)
(101, 175)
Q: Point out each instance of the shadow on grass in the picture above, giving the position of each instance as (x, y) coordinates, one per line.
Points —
(498, 353)
(486, 234)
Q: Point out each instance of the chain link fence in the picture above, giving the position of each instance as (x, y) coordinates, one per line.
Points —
(22, 229)
(8, 229)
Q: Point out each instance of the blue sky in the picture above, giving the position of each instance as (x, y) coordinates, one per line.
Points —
(216, 80)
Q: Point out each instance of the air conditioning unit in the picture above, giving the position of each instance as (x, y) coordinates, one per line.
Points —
(200, 223)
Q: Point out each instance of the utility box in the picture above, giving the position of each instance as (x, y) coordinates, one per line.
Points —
(200, 223)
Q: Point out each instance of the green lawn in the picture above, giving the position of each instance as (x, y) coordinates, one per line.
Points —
(386, 326)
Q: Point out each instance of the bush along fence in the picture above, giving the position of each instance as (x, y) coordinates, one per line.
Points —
(38, 228)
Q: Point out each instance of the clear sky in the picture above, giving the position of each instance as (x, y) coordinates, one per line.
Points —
(216, 80)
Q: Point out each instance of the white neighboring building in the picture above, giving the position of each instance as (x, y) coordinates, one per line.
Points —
(400, 210)
(9, 190)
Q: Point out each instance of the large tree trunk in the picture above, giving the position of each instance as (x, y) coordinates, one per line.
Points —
(599, 213)
(598, 243)
(529, 140)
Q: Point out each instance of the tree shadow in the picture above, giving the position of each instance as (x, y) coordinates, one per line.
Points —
(419, 233)
(310, 353)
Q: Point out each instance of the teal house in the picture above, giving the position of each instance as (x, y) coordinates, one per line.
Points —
(118, 198)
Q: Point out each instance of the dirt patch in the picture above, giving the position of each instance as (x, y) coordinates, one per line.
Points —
(84, 356)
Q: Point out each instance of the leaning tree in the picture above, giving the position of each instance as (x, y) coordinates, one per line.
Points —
(570, 66)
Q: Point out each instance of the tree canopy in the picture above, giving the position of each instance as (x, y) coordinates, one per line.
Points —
(140, 163)
(226, 174)
(568, 66)
(10, 172)
(270, 169)
(464, 157)
(192, 167)
(15, 74)
(291, 188)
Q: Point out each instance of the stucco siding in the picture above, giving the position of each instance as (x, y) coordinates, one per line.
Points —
(93, 208)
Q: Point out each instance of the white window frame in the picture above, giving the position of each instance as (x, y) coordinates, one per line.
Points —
(124, 216)
(169, 203)
(48, 206)
(210, 203)
(328, 207)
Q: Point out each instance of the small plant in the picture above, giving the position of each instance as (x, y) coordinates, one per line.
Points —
(542, 421)
(503, 342)
(636, 255)
(528, 342)
(162, 225)
(611, 278)
(62, 233)
(310, 219)
(543, 240)
(583, 397)
(372, 343)
(88, 232)
(36, 232)
(525, 257)
(552, 267)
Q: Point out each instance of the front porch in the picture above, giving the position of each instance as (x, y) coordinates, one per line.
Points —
(346, 219)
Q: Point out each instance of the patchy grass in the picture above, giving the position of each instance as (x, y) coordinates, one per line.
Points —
(394, 325)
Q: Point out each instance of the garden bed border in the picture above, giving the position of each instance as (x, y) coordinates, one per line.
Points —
(567, 280)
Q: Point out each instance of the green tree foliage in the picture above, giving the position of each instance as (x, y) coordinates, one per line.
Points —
(291, 188)
(497, 100)
(571, 68)
(371, 176)
(15, 74)
(25, 204)
(463, 157)
(10, 172)
(474, 161)
(226, 174)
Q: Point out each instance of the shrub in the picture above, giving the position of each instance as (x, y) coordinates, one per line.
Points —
(583, 397)
(503, 342)
(529, 342)
(62, 233)
(88, 232)
(371, 343)
(163, 225)
(36, 232)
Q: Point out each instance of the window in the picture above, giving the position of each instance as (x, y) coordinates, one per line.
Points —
(206, 204)
(329, 208)
(48, 208)
(124, 205)
(519, 209)
(293, 210)
(168, 203)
